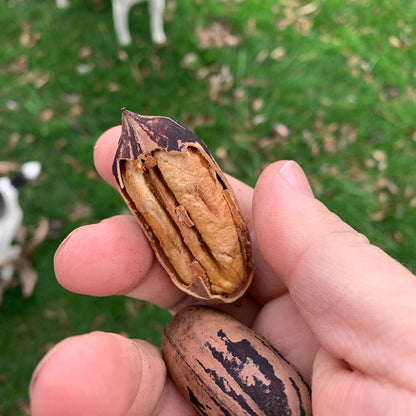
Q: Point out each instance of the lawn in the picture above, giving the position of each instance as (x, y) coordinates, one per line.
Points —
(331, 84)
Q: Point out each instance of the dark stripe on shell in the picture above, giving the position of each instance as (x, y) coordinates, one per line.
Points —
(222, 383)
(271, 398)
(298, 393)
(196, 403)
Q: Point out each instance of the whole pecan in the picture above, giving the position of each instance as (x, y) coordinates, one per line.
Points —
(223, 367)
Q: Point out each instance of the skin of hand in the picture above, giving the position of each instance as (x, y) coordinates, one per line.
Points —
(340, 309)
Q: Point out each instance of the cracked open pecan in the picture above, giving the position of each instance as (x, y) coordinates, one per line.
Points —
(185, 206)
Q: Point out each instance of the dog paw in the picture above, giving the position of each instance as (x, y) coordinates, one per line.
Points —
(159, 38)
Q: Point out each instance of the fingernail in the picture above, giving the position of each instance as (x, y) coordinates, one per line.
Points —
(295, 176)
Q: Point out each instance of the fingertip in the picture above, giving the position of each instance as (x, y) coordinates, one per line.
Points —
(104, 374)
(283, 172)
(100, 259)
(296, 177)
(92, 374)
(104, 151)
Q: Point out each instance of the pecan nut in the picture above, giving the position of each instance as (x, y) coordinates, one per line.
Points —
(185, 206)
(223, 367)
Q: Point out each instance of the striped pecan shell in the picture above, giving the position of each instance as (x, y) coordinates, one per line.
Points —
(224, 368)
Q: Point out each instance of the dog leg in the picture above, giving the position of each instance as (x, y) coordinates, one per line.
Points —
(9, 259)
(121, 9)
(62, 4)
(156, 10)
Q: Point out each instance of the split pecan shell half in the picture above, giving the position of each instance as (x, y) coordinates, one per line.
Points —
(185, 207)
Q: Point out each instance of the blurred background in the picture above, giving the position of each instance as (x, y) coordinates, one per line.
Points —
(331, 84)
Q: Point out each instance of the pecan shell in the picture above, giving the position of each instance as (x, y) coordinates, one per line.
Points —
(185, 207)
(223, 367)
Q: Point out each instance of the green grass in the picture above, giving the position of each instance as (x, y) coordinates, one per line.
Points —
(343, 84)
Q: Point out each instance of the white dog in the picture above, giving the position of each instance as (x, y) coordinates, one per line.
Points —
(11, 217)
(121, 9)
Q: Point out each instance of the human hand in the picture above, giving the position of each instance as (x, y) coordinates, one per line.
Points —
(340, 309)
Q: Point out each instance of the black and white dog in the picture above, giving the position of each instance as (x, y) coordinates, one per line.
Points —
(121, 9)
(11, 217)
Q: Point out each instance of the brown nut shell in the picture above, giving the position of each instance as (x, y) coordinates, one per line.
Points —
(224, 368)
(185, 207)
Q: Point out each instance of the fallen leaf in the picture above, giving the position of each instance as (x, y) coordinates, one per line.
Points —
(46, 115)
(7, 166)
(39, 236)
(397, 236)
(278, 54)
(225, 160)
(239, 94)
(98, 321)
(377, 216)
(216, 35)
(278, 135)
(36, 77)
(74, 163)
(258, 119)
(72, 99)
(307, 9)
(85, 51)
(190, 60)
(395, 42)
(380, 156)
(13, 141)
(28, 39)
(303, 25)
(330, 144)
(348, 133)
(311, 142)
(28, 276)
(385, 183)
(24, 407)
(83, 69)
(133, 307)
(42, 79)
(261, 57)
(221, 153)
(257, 104)
(80, 210)
(280, 131)
(12, 105)
(219, 82)
(19, 65)
(29, 138)
(113, 87)
(76, 110)
(392, 92)
(59, 315)
(122, 55)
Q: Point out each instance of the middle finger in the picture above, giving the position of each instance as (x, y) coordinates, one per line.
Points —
(113, 257)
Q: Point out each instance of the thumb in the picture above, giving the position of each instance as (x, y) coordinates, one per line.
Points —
(358, 301)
